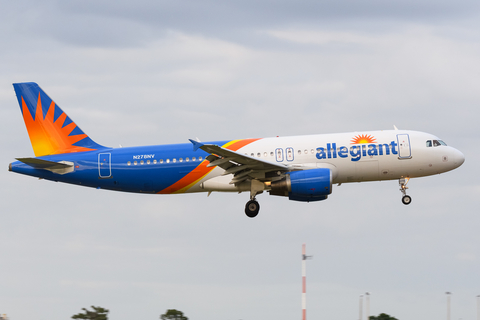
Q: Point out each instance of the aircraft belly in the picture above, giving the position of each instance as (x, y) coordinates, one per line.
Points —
(371, 170)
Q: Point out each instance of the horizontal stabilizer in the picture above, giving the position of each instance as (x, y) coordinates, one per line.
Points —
(44, 164)
(56, 167)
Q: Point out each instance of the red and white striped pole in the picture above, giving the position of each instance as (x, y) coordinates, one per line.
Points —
(304, 282)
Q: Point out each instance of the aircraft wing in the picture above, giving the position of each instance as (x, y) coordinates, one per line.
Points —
(242, 166)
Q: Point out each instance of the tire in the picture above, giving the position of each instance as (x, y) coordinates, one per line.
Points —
(251, 208)
(406, 200)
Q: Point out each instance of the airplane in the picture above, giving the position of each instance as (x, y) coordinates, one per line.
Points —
(302, 168)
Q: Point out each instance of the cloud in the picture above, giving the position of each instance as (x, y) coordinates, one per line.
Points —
(136, 73)
(129, 24)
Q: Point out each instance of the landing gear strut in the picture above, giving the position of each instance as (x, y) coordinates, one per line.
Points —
(403, 188)
(252, 207)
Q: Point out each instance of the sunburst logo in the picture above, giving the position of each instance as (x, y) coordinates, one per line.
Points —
(49, 136)
(364, 138)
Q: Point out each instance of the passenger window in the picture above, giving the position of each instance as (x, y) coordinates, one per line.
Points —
(141, 162)
(168, 160)
(134, 163)
(148, 161)
(193, 158)
(174, 160)
(429, 143)
(181, 159)
(299, 152)
(265, 154)
(187, 159)
(154, 161)
(161, 160)
(259, 154)
(306, 151)
(129, 163)
(199, 158)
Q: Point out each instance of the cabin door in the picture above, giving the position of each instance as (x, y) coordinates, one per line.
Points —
(404, 150)
(104, 165)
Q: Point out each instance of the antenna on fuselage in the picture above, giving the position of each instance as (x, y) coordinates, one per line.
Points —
(395, 127)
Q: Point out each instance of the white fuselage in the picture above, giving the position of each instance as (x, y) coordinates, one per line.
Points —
(352, 157)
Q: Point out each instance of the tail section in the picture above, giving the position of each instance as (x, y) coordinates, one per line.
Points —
(50, 130)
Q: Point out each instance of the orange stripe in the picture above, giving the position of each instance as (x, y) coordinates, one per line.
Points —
(238, 144)
(201, 170)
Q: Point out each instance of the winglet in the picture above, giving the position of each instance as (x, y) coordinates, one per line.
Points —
(196, 144)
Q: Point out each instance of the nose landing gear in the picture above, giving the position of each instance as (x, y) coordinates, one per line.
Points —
(403, 188)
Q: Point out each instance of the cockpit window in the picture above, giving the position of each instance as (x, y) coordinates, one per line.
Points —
(435, 143)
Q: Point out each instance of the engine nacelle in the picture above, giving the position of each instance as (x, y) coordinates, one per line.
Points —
(305, 185)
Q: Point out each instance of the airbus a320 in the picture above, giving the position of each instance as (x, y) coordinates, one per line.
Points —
(302, 168)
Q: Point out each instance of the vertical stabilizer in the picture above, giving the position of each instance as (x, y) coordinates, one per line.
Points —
(50, 130)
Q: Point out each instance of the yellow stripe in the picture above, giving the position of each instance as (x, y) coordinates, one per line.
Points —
(184, 189)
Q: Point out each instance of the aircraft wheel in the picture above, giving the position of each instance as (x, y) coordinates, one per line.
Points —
(251, 208)
(406, 199)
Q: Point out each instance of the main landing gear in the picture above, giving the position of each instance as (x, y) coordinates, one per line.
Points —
(251, 208)
(403, 188)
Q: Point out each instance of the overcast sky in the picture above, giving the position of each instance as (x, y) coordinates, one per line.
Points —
(153, 72)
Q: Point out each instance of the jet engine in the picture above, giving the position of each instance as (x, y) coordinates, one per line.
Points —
(305, 185)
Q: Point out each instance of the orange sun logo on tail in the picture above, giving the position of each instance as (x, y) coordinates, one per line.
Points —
(50, 130)
(49, 136)
(364, 138)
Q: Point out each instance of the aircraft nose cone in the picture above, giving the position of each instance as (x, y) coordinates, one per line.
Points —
(459, 158)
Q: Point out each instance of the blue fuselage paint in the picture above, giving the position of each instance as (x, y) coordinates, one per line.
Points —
(132, 169)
